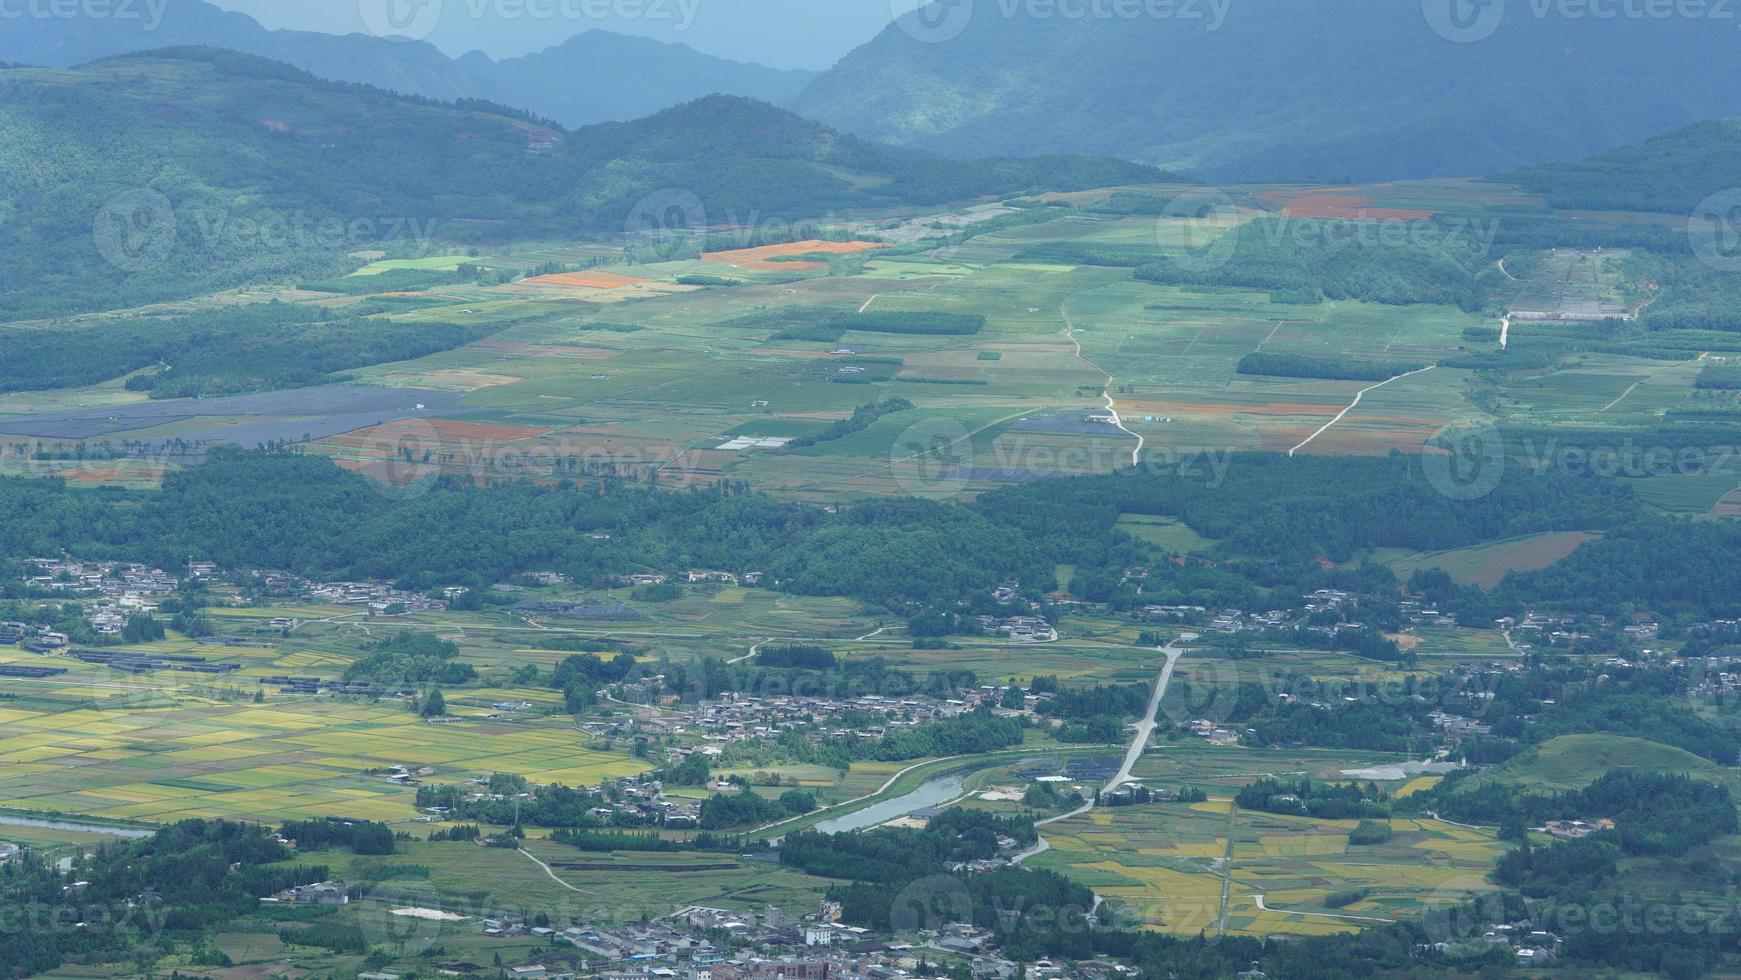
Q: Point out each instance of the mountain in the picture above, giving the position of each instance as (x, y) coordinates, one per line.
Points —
(165, 174)
(601, 77)
(1339, 89)
(594, 77)
(1671, 173)
(411, 67)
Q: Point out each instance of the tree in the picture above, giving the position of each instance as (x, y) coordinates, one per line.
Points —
(142, 629)
(435, 705)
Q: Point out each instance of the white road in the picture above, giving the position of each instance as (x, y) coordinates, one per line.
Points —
(1136, 455)
(1355, 404)
(1145, 730)
(1321, 915)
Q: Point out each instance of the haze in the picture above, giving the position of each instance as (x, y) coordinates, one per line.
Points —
(779, 33)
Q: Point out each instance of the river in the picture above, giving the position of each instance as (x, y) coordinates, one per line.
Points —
(87, 828)
(932, 792)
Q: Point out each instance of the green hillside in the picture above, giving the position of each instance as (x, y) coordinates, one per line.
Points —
(156, 176)
(1243, 92)
(1575, 761)
(1671, 173)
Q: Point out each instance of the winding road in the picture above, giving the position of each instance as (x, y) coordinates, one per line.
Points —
(1136, 455)
(1355, 404)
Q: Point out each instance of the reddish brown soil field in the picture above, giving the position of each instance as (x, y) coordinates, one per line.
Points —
(585, 280)
(1338, 203)
(763, 259)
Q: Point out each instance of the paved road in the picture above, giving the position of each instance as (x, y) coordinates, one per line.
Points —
(1145, 730)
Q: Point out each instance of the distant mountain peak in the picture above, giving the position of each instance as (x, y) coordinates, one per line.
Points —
(595, 76)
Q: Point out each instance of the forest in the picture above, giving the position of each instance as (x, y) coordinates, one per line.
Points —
(1274, 518)
(1671, 173)
(203, 873)
(1333, 368)
(1311, 260)
(262, 347)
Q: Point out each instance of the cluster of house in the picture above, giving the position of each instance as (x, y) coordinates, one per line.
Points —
(632, 800)
(1020, 629)
(1456, 727)
(1571, 630)
(1231, 621)
(739, 717)
(1530, 945)
(319, 893)
(36, 639)
(1577, 829)
(1213, 733)
(700, 943)
(381, 598)
(1425, 614)
(77, 577)
(112, 591)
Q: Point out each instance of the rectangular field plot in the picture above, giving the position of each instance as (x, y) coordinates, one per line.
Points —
(297, 760)
(1211, 868)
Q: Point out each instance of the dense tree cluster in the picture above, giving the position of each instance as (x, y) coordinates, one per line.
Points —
(410, 657)
(1306, 797)
(1333, 368)
(239, 349)
(862, 418)
(1309, 260)
(198, 873)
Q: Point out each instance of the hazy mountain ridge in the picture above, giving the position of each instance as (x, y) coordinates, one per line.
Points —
(1335, 89)
(593, 77)
(226, 141)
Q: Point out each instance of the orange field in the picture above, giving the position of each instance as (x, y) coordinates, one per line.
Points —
(763, 259)
(443, 433)
(1341, 203)
(130, 471)
(1729, 506)
(586, 280)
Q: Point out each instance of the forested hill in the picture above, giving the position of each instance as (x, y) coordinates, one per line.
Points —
(226, 143)
(1336, 89)
(1672, 173)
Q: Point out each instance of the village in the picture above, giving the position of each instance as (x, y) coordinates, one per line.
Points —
(702, 943)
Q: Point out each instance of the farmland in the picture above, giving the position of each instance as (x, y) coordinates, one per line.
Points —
(1168, 865)
(621, 365)
(991, 360)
